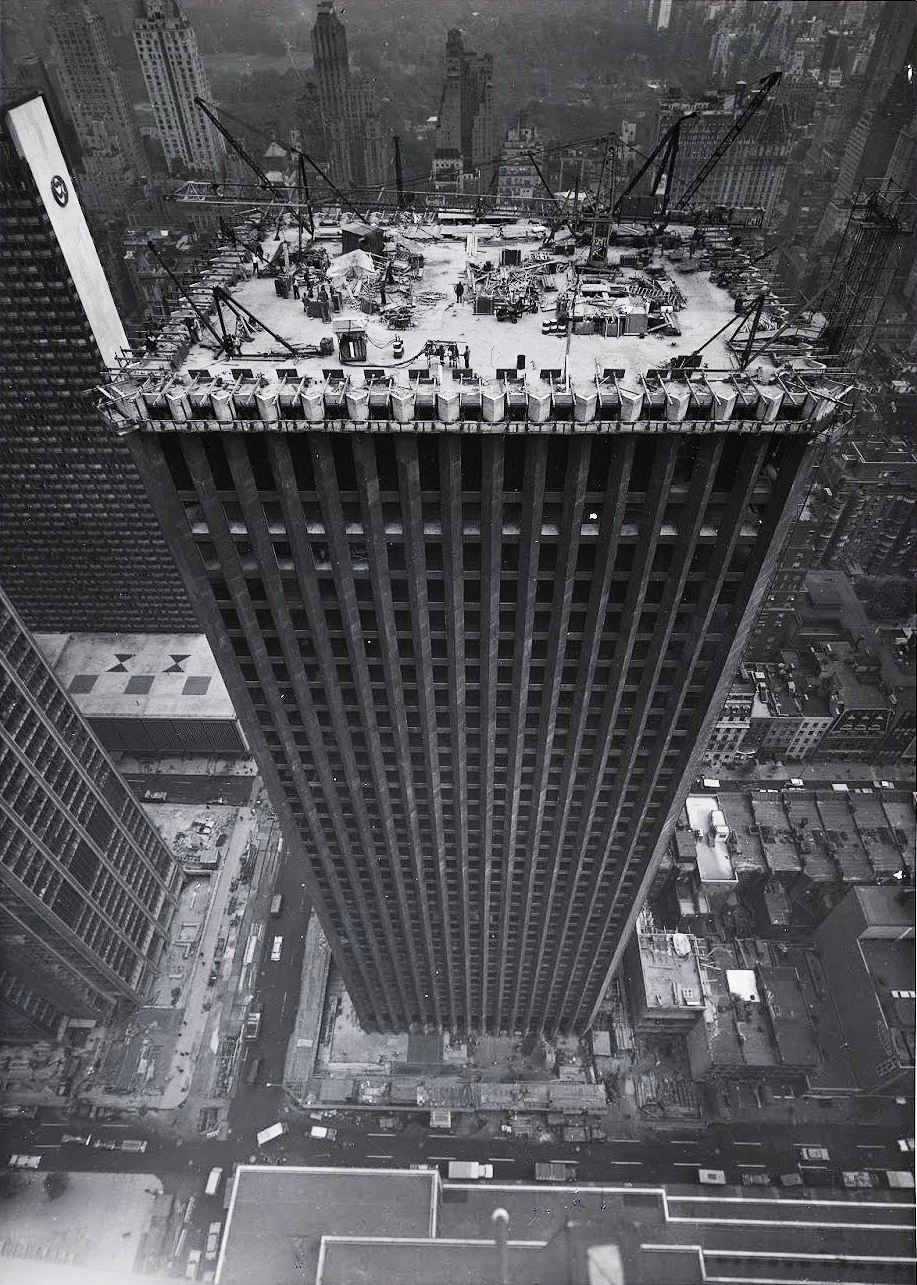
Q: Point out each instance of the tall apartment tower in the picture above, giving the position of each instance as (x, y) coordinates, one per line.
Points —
(349, 107)
(174, 76)
(114, 160)
(87, 887)
(477, 660)
(79, 545)
(464, 125)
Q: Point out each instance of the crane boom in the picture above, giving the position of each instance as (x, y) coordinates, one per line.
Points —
(238, 148)
(544, 181)
(765, 85)
(666, 148)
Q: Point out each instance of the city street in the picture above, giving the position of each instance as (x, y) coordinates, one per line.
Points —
(233, 790)
(651, 1157)
(277, 997)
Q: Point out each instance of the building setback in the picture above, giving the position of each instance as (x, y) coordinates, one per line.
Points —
(87, 887)
(79, 545)
(174, 75)
(477, 668)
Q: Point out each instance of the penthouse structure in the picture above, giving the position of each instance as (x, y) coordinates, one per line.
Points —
(79, 544)
(476, 624)
(87, 887)
(174, 75)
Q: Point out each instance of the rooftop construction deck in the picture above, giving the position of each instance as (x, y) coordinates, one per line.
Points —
(538, 335)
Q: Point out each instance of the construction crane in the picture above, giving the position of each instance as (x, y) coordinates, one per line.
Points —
(666, 150)
(765, 85)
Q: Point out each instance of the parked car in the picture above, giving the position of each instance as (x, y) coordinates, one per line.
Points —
(213, 1241)
(194, 1260)
(105, 1145)
(756, 1179)
(815, 1153)
(276, 949)
(133, 1144)
(82, 1140)
(905, 1144)
(25, 1162)
(712, 1177)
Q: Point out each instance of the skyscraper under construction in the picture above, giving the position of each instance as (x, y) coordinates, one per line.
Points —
(477, 629)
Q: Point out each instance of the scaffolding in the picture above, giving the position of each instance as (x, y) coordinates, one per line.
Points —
(865, 269)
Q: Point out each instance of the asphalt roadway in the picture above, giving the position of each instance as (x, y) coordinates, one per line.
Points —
(233, 790)
(670, 1155)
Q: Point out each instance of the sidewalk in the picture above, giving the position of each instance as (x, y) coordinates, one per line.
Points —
(303, 1046)
(813, 770)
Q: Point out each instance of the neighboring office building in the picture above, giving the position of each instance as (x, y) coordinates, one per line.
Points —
(504, 650)
(867, 947)
(146, 693)
(755, 1027)
(174, 75)
(874, 527)
(752, 171)
(727, 740)
(464, 126)
(114, 161)
(153, 289)
(883, 107)
(663, 980)
(87, 887)
(79, 545)
(349, 108)
(789, 716)
(397, 1225)
(517, 177)
(772, 710)
(872, 695)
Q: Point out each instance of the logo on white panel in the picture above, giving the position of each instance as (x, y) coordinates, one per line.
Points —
(59, 190)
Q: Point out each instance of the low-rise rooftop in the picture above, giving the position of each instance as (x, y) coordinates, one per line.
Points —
(711, 849)
(876, 835)
(808, 831)
(139, 675)
(671, 973)
(776, 837)
(746, 851)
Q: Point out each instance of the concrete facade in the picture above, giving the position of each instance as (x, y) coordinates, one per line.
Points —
(87, 887)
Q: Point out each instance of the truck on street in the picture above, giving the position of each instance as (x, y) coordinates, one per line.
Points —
(900, 1178)
(470, 1169)
(555, 1171)
(323, 1131)
(270, 1133)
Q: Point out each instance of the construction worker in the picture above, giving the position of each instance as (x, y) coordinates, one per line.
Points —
(459, 291)
(466, 357)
